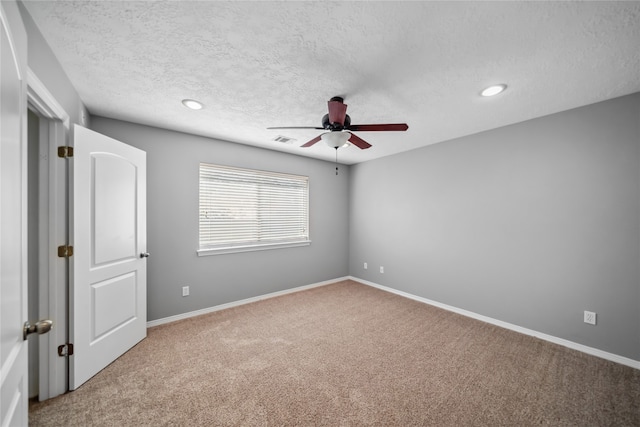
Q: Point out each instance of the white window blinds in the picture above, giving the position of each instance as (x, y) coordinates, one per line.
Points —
(250, 209)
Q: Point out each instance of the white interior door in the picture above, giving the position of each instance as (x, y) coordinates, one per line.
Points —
(13, 217)
(109, 266)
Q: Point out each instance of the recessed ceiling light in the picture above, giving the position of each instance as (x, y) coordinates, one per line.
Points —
(493, 90)
(190, 103)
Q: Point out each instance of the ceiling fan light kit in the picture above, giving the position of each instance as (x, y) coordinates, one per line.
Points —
(336, 139)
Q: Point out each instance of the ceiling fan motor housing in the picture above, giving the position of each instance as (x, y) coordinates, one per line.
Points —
(335, 126)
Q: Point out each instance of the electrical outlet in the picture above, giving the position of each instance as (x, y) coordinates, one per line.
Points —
(381, 269)
(185, 291)
(365, 266)
(590, 317)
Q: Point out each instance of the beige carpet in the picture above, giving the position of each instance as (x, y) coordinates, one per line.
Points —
(347, 355)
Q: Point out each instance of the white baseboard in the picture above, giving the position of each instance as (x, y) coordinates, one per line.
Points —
(565, 343)
(237, 303)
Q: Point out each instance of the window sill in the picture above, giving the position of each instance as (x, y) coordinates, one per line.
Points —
(250, 248)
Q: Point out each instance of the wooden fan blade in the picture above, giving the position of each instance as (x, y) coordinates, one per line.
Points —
(295, 127)
(359, 142)
(313, 141)
(337, 112)
(379, 127)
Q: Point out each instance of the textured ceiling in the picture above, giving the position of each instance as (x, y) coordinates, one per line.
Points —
(260, 64)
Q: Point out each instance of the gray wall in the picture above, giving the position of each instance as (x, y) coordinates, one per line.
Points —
(172, 222)
(530, 224)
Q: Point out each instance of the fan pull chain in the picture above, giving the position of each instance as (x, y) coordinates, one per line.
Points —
(336, 160)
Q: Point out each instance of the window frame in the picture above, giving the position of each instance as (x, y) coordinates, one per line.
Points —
(260, 179)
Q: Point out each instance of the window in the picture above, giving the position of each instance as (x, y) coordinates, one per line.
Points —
(244, 210)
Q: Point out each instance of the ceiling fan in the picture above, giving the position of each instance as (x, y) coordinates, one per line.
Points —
(338, 123)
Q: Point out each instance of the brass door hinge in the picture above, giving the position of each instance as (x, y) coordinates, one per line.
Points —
(65, 350)
(65, 251)
(65, 152)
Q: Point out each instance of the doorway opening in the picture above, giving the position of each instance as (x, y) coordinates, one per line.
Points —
(47, 128)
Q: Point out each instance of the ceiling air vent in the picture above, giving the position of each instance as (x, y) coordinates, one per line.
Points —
(283, 139)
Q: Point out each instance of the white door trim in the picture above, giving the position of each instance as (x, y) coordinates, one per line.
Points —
(40, 97)
(53, 277)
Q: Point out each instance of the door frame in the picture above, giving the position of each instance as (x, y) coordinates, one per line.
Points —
(53, 225)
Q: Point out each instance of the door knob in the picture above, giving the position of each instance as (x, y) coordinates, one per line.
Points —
(41, 327)
(144, 255)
